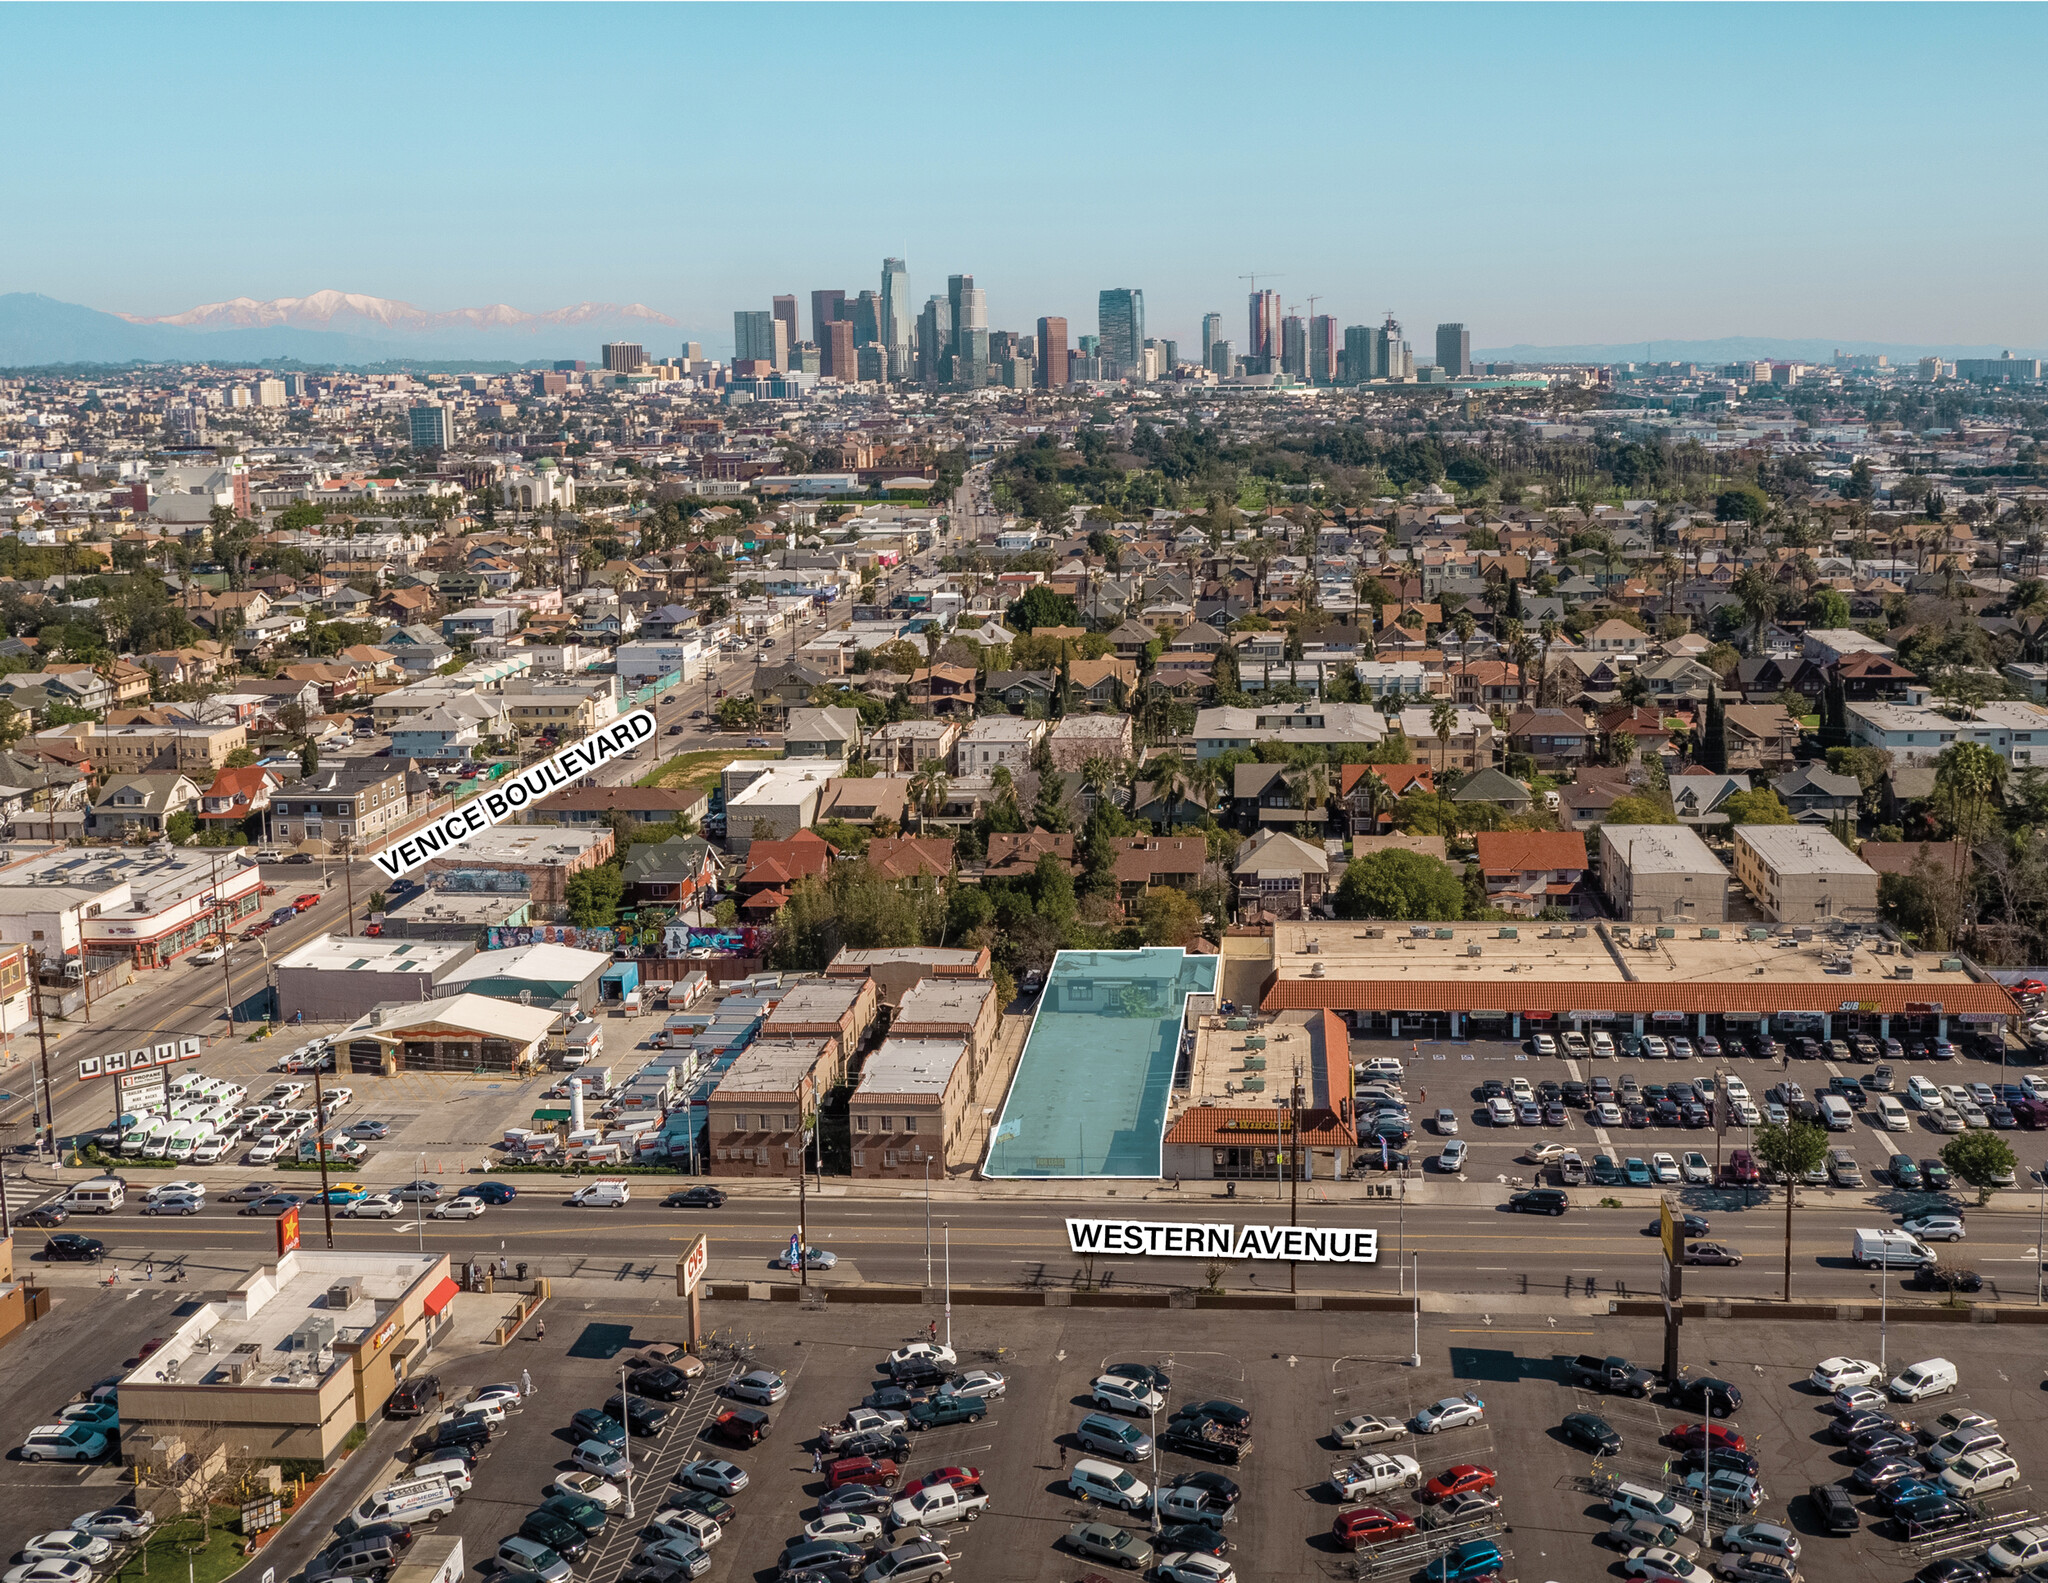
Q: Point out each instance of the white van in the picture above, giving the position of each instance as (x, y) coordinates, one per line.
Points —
(606, 1193)
(414, 1501)
(1892, 1114)
(1835, 1114)
(1881, 1248)
(101, 1195)
(452, 1471)
(1639, 1500)
(1934, 1377)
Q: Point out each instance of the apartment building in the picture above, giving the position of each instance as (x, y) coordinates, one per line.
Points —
(1800, 874)
(195, 750)
(1661, 873)
(359, 802)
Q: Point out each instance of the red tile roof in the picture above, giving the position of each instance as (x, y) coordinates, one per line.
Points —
(1400, 778)
(1526, 851)
(911, 856)
(1767, 999)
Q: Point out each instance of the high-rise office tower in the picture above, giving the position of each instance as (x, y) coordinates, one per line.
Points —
(934, 340)
(1169, 356)
(785, 314)
(1265, 325)
(1002, 345)
(1294, 346)
(971, 315)
(431, 427)
(1120, 317)
(1052, 353)
(827, 307)
(1222, 359)
(1212, 332)
(1454, 350)
(866, 314)
(957, 286)
(971, 361)
(896, 316)
(1090, 345)
(1322, 349)
(624, 357)
(761, 337)
(1357, 354)
(838, 360)
(805, 358)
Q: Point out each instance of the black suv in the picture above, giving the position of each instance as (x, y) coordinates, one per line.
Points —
(470, 1431)
(640, 1418)
(1836, 1510)
(661, 1382)
(69, 1246)
(414, 1396)
(1540, 1201)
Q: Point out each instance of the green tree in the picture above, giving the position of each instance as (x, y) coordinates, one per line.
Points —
(1640, 810)
(1828, 608)
(1053, 887)
(1040, 606)
(1789, 1151)
(1049, 810)
(309, 757)
(1398, 883)
(1168, 917)
(181, 826)
(1714, 738)
(1756, 807)
(1969, 779)
(1743, 503)
(1982, 1159)
(738, 714)
(593, 896)
(240, 759)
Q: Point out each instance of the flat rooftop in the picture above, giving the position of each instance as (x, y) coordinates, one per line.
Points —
(1800, 849)
(473, 907)
(257, 1323)
(1662, 849)
(528, 845)
(945, 1000)
(771, 1066)
(919, 1068)
(816, 1000)
(1342, 965)
(341, 953)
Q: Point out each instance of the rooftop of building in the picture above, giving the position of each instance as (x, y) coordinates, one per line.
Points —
(944, 1001)
(342, 953)
(1799, 849)
(298, 1296)
(530, 846)
(158, 871)
(481, 1014)
(817, 1000)
(772, 1066)
(464, 907)
(918, 1068)
(861, 959)
(543, 963)
(1661, 849)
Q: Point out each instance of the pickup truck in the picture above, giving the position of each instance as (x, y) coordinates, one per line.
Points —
(939, 1504)
(940, 1411)
(1370, 1475)
(1616, 1375)
(858, 1421)
(1206, 1438)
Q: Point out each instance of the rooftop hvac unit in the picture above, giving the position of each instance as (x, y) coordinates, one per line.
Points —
(1316, 971)
(1507, 933)
(1710, 934)
(1666, 932)
(1951, 964)
(1445, 934)
(315, 1333)
(1375, 934)
(1254, 1085)
(1903, 970)
(1474, 948)
(345, 1293)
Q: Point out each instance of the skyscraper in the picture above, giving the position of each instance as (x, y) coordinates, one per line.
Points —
(1169, 356)
(934, 340)
(1265, 326)
(431, 427)
(827, 307)
(1222, 359)
(838, 352)
(1052, 353)
(957, 286)
(624, 357)
(1322, 349)
(1212, 332)
(867, 318)
(1120, 317)
(1454, 350)
(785, 312)
(1294, 346)
(896, 316)
(761, 337)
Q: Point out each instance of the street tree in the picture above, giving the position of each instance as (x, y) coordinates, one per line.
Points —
(1790, 1151)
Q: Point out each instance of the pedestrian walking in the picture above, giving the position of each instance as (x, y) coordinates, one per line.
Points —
(540, 1330)
(934, 1331)
(525, 1382)
(1063, 1453)
(817, 1459)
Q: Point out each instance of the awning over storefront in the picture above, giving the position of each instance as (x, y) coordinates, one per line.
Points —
(551, 1113)
(441, 1296)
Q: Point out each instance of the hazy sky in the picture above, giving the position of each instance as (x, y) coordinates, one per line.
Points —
(1546, 174)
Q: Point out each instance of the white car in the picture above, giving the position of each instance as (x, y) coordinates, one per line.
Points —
(1196, 1566)
(608, 1462)
(1923, 1095)
(1660, 1561)
(1603, 1043)
(933, 1350)
(1500, 1113)
(1117, 1394)
(1544, 1153)
(52, 1571)
(1735, 1087)
(1521, 1089)
(457, 1209)
(1834, 1374)
(1607, 1113)
(1371, 1475)
(1452, 1159)
(1935, 1228)
(1681, 1048)
(116, 1522)
(1367, 1429)
(1980, 1472)
(501, 1398)
(1654, 1047)
(591, 1488)
(1544, 1044)
(858, 1529)
(492, 1413)
(66, 1544)
(985, 1383)
(1696, 1170)
(336, 1098)
(1663, 1167)
(168, 1189)
(2018, 1550)
(1450, 1413)
(212, 956)
(372, 1206)
(264, 1150)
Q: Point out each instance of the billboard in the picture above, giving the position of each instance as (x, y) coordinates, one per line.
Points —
(287, 1231)
(148, 1089)
(691, 1266)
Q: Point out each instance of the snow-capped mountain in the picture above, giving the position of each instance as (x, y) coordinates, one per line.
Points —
(355, 313)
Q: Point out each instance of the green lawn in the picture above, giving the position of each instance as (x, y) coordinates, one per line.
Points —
(163, 1557)
(694, 771)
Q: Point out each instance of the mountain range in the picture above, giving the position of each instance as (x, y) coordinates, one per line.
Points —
(1729, 349)
(326, 328)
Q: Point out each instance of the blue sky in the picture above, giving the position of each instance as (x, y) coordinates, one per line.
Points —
(1546, 174)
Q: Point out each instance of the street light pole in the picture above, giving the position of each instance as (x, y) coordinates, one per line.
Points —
(626, 1423)
(949, 1284)
(927, 1223)
(1415, 1280)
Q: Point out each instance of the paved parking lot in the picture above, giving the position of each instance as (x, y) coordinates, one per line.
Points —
(1297, 1372)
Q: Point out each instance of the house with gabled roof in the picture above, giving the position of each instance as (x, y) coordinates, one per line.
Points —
(1528, 870)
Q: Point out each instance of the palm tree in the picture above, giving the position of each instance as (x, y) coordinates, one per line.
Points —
(929, 788)
(1379, 798)
(1204, 780)
(1512, 642)
(1466, 629)
(1312, 787)
(1549, 628)
(1100, 774)
(1443, 720)
(1169, 774)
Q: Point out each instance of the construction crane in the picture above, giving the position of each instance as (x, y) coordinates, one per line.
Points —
(1254, 279)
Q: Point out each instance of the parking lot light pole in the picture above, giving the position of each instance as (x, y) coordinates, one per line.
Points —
(626, 1423)
(1415, 1281)
(2040, 1225)
(1152, 1413)
(419, 1216)
(949, 1283)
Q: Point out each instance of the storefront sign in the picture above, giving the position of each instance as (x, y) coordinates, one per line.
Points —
(1589, 1016)
(1539, 1016)
(287, 1231)
(1923, 1008)
(1488, 1016)
(1667, 1016)
(691, 1266)
(381, 1336)
(1196, 1240)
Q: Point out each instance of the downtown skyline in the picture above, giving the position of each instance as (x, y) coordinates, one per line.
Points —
(1543, 203)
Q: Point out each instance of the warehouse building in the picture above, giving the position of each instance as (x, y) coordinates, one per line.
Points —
(338, 977)
(534, 975)
(1661, 873)
(1797, 874)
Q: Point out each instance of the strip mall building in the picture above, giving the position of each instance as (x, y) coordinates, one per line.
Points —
(1463, 981)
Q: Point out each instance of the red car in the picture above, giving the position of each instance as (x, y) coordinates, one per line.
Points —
(1457, 1481)
(301, 903)
(1370, 1525)
(943, 1476)
(1741, 1169)
(878, 1471)
(1694, 1437)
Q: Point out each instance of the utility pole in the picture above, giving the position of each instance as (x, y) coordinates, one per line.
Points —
(1294, 1170)
(348, 880)
(43, 1042)
(320, 1149)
